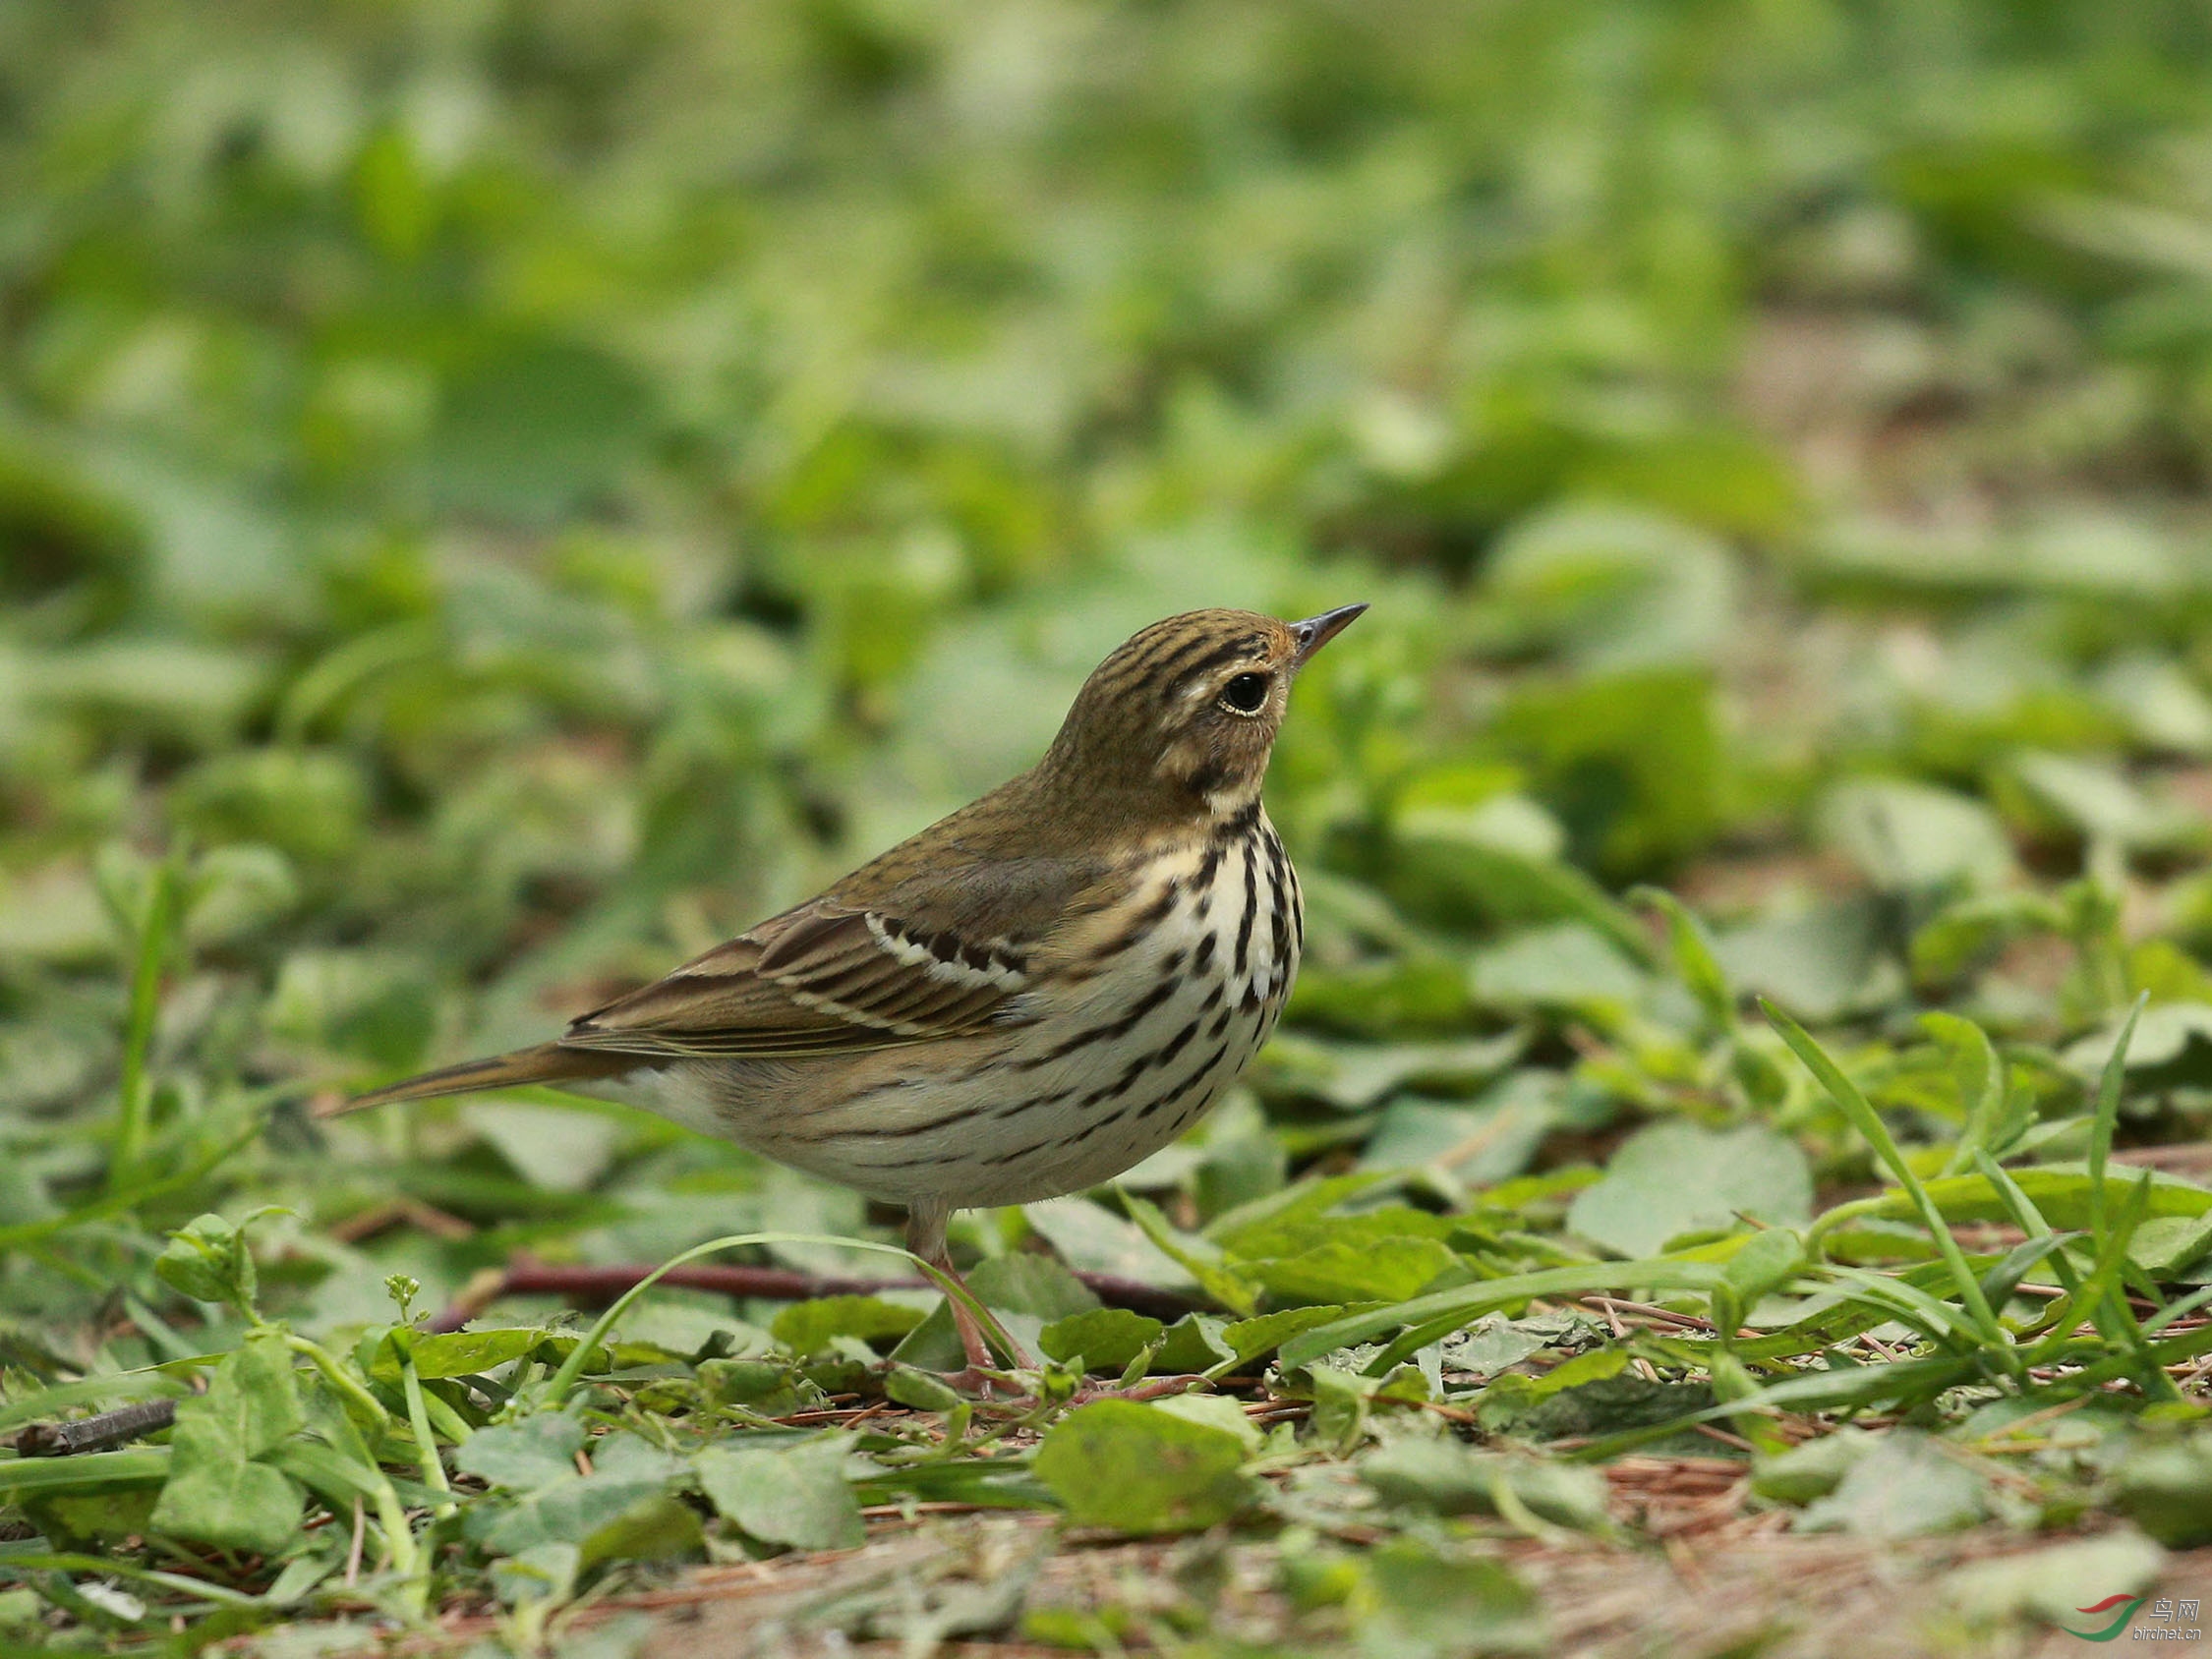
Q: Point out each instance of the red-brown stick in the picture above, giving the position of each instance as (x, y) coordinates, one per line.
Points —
(524, 1276)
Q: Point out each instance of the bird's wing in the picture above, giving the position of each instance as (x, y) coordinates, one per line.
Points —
(829, 977)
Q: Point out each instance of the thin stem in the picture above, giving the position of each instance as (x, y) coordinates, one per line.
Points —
(426, 1442)
(135, 1114)
(563, 1381)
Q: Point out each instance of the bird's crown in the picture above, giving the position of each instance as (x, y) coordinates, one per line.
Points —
(1185, 712)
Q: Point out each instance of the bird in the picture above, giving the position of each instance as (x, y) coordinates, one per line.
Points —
(1020, 1001)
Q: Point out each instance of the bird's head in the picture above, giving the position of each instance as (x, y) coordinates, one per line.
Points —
(1186, 711)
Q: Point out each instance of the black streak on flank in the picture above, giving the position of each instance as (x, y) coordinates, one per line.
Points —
(911, 1129)
(1279, 921)
(1176, 1044)
(1120, 1027)
(1252, 908)
(1209, 866)
(1205, 1070)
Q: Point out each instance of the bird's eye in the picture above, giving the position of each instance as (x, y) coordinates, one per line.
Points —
(1246, 694)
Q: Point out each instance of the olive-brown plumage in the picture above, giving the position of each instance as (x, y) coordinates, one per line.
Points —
(1027, 998)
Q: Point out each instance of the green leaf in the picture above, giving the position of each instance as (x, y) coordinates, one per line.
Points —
(74, 1520)
(1034, 1285)
(1908, 835)
(253, 1396)
(1812, 1469)
(1564, 964)
(216, 1492)
(2165, 1245)
(1630, 761)
(559, 1149)
(1610, 1404)
(1129, 1467)
(1675, 1177)
(2052, 1585)
(2167, 1037)
(1904, 1485)
(1194, 1343)
(1253, 1339)
(535, 427)
(806, 1327)
(656, 1527)
(2166, 1489)
(1477, 1142)
(1767, 1261)
(2106, 1117)
(1993, 1118)
(568, 1510)
(1385, 1270)
(1217, 1412)
(1694, 964)
(530, 1453)
(311, 805)
(2100, 802)
(207, 1260)
(1971, 932)
(574, 1507)
(924, 1391)
(2061, 1192)
(455, 1353)
(1108, 1339)
(1196, 1256)
(1427, 1604)
(1446, 1477)
(542, 1572)
(797, 1496)
(1028, 1288)
(1825, 963)
(1353, 1076)
(1089, 1237)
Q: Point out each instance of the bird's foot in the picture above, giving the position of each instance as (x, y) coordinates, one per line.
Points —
(980, 1359)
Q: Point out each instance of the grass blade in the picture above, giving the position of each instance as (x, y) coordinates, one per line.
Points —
(156, 937)
(1446, 1310)
(1863, 1117)
(2106, 1116)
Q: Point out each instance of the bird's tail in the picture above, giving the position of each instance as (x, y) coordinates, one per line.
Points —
(547, 1063)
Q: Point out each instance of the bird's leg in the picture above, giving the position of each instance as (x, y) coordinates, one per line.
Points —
(925, 1236)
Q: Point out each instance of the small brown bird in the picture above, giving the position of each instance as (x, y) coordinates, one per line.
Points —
(1024, 999)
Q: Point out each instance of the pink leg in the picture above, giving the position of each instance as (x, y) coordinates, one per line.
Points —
(925, 1236)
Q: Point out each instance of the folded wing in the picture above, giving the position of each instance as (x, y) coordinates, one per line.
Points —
(824, 978)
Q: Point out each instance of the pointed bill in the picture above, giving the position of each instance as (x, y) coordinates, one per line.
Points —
(1316, 631)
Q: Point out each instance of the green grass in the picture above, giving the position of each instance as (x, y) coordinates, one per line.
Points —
(495, 500)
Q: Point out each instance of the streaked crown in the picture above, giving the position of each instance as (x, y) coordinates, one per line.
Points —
(1186, 712)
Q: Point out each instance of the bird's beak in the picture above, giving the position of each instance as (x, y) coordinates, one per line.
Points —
(1316, 631)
